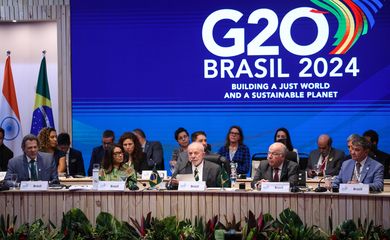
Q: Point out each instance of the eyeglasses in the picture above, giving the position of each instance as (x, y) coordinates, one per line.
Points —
(235, 133)
(182, 138)
(275, 154)
(117, 153)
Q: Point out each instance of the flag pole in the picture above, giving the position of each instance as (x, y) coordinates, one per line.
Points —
(44, 53)
(8, 53)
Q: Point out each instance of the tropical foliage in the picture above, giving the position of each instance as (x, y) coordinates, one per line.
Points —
(288, 225)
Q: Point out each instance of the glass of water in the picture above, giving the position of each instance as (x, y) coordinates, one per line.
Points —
(13, 179)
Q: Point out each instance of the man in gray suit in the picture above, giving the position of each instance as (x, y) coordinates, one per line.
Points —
(196, 165)
(325, 159)
(276, 168)
(32, 165)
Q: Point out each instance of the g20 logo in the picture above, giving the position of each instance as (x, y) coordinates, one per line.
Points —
(255, 46)
(354, 20)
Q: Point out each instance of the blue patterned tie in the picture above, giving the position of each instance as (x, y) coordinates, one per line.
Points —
(33, 171)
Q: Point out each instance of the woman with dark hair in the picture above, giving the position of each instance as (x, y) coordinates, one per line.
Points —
(133, 152)
(182, 137)
(48, 143)
(235, 150)
(114, 168)
(282, 135)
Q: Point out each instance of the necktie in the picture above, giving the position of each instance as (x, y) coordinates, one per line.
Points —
(322, 167)
(358, 166)
(33, 171)
(196, 174)
(276, 175)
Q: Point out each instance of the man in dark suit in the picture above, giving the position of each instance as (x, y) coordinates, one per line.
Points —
(376, 154)
(152, 149)
(196, 165)
(98, 152)
(276, 168)
(5, 153)
(73, 157)
(325, 159)
(32, 165)
(361, 168)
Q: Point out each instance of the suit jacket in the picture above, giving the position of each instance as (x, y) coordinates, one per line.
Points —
(46, 167)
(76, 162)
(289, 172)
(5, 155)
(335, 159)
(209, 175)
(154, 154)
(384, 159)
(371, 173)
(96, 157)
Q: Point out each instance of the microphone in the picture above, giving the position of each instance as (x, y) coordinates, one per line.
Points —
(169, 184)
(319, 188)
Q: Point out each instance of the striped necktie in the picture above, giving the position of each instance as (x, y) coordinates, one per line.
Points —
(196, 174)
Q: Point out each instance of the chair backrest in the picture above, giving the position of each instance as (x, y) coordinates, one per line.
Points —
(303, 157)
(256, 158)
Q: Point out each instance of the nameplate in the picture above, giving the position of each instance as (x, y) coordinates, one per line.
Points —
(34, 185)
(146, 174)
(359, 188)
(111, 185)
(192, 186)
(275, 187)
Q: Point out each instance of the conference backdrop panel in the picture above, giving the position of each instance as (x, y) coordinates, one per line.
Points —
(310, 66)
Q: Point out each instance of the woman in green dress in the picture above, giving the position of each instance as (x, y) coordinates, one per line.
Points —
(115, 169)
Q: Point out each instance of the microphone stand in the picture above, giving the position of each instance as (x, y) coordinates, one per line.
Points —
(319, 188)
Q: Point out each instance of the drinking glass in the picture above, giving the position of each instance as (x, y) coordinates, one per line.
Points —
(13, 179)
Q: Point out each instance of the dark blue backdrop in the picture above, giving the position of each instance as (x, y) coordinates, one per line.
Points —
(140, 64)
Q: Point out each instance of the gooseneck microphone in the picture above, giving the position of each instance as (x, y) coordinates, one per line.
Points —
(175, 172)
(319, 188)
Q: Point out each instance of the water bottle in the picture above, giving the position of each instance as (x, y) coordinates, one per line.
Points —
(233, 174)
(95, 176)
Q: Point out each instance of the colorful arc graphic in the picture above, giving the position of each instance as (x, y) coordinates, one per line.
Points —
(354, 18)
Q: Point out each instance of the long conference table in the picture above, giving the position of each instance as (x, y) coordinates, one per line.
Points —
(313, 208)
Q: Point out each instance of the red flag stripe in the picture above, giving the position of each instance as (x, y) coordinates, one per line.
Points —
(9, 88)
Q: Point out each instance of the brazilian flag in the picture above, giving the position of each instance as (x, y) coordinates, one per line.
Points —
(223, 178)
(154, 179)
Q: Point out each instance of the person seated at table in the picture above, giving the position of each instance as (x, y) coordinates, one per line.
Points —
(350, 139)
(276, 168)
(282, 135)
(133, 152)
(235, 150)
(114, 168)
(376, 154)
(32, 165)
(97, 155)
(73, 157)
(325, 159)
(5, 153)
(153, 150)
(361, 168)
(196, 165)
(183, 139)
(48, 144)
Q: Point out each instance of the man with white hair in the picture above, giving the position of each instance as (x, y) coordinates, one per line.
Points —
(202, 170)
(276, 168)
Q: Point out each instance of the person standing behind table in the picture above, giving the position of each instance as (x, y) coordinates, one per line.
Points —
(196, 165)
(153, 150)
(73, 157)
(5, 153)
(133, 152)
(377, 154)
(48, 144)
(326, 158)
(283, 135)
(32, 165)
(97, 155)
(276, 168)
(361, 168)
(235, 150)
(182, 137)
